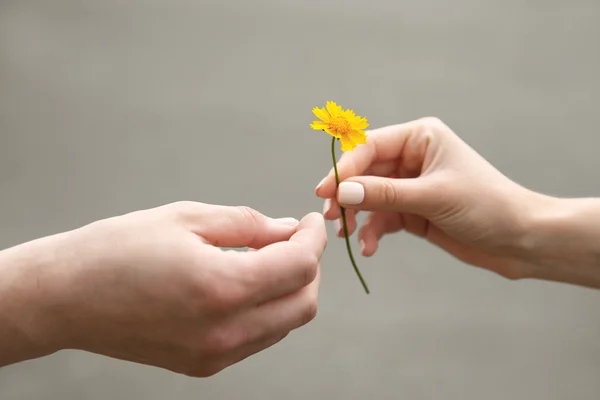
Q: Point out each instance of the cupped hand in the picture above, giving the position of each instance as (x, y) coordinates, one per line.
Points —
(155, 287)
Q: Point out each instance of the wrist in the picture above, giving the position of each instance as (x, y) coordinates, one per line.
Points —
(31, 312)
(560, 240)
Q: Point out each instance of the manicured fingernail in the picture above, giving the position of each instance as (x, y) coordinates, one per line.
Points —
(326, 206)
(338, 226)
(362, 246)
(351, 193)
(320, 184)
(288, 221)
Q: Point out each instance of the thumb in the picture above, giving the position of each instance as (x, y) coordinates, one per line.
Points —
(372, 193)
(226, 226)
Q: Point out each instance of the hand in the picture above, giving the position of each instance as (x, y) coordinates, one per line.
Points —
(154, 287)
(422, 178)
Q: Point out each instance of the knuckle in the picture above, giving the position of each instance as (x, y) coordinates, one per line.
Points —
(183, 210)
(182, 207)
(310, 266)
(305, 262)
(431, 127)
(432, 123)
(389, 192)
(310, 309)
(250, 214)
(221, 341)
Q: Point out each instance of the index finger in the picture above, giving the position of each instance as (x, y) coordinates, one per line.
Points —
(383, 144)
(283, 268)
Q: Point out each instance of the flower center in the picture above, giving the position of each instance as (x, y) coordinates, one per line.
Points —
(340, 125)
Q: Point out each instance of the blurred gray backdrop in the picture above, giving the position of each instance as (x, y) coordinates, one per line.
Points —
(107, 106)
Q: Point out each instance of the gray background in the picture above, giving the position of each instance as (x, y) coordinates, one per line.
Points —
(108, 106)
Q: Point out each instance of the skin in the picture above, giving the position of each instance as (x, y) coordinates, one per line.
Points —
(420, 177)
(154, 287)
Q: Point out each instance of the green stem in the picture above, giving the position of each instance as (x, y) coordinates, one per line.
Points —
(345, 224)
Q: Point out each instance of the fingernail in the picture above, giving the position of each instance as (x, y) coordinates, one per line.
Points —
(362, 246)
(320, 184)
(288, 221)
(326, 206)
(338, 226)
(351, 193)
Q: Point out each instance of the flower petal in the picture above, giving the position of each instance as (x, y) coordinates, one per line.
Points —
(349, 114)
(353, 139)
(321, 113)
(358, 137)
(333, 108)
(347, 143)
(319, 125)
(359, 123)
(333, 133)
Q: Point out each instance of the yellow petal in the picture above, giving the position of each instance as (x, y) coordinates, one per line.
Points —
(347, 143)
(332, 133)
(333, 108)
(349, 114)
(353, 139)
(321, 113)
(359, 123)
(319, 125)
(358, 136)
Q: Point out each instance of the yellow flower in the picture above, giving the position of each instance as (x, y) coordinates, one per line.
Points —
(341, 124)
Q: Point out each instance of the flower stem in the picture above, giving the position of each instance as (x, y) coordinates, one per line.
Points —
(345, 224)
